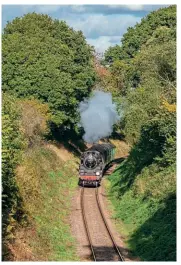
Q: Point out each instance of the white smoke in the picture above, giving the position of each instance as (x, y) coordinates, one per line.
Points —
(98, 115)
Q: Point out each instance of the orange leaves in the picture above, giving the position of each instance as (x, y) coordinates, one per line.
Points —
(100, 69)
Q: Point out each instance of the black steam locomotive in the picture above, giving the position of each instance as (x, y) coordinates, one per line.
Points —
(93, 163)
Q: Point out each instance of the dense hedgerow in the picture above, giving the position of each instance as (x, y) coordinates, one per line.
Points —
(12, 145)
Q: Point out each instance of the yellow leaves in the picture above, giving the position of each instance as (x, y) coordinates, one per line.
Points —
(42, 108)
(34, 118)
(141, 90)
(10, 228)
(169, 107)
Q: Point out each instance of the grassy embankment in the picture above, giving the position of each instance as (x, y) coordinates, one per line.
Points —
(46, 184)
(144, 204)
(37, 225)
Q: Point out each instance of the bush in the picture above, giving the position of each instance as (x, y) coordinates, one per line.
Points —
(12, 144)
(34, 120)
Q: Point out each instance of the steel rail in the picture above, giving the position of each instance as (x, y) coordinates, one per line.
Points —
(107, 227)
(85, 224)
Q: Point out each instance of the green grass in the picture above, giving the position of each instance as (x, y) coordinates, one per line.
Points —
(146, 210)
(52, 221)
(46, 186)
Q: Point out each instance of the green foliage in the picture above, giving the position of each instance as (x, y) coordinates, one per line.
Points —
(148, 209)
(143, 188)
(143, 191)
(112, 54)
(158, 234)
(135, 37)
(12, 144)
(46, 59)
(119, 72)
(146, 80)
(156, 62)
(138, 35)
(166, 121)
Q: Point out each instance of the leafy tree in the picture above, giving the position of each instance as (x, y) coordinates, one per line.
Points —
(156, 65)
(46, 59)
(112, 54)
(138, 35)
(157, 58)
(146, 80)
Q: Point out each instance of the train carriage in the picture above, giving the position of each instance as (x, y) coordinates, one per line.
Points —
(93, 163)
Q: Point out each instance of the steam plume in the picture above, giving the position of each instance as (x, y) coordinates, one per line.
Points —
(98, 115)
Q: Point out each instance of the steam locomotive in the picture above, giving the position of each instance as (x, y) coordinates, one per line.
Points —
(93, 163)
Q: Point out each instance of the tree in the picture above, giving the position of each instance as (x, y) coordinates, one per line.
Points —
(138, 35)
(47, 60)
(113, 53)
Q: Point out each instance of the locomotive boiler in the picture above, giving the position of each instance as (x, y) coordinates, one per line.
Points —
(93, 163)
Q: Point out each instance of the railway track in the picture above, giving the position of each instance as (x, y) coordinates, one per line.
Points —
(91, 238)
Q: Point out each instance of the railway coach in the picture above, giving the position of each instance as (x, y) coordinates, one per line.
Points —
(93, 163)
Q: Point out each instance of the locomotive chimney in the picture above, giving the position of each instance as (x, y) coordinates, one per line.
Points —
(88, 145)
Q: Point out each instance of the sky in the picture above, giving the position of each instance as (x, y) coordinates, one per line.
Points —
(102, 25)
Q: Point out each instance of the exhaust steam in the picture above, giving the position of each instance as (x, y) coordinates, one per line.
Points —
(98, 115)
